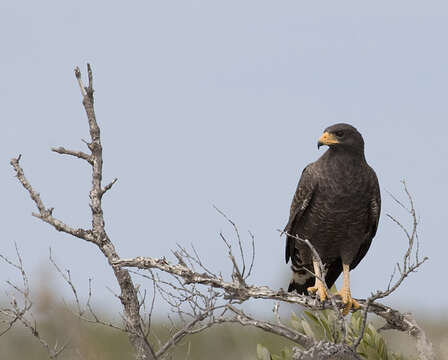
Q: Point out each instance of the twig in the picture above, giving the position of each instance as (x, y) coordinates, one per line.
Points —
(406, 323)
(323, 271)
(277, 329)
(47, 214)
(108, 186)
(23, 313)
(67, 278)
(78, 154)
(97, 235)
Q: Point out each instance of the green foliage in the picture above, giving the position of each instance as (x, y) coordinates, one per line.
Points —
(264, 354)
(323, 325)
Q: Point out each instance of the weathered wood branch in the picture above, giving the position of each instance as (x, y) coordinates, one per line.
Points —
(46, 214)
(234, 290)
(98, 234)
(19, 309)
(246, 320)
(79, 154)
(128, 296)
(395, 320)
(326, 351)
(408, 265)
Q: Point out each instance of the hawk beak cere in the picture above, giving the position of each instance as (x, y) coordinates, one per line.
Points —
(327, 139)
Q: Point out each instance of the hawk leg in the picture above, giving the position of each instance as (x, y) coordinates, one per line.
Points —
(318, 287)
(345, 294)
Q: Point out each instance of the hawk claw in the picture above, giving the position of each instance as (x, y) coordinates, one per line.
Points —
(318, 288)
(347, 300)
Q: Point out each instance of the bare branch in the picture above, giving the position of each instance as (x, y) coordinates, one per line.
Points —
(237, 275)
(47, 214)
(109, 186)
(20, 311)
(189, 329)
(252, 260)
(97, 235)
(326, 351)
(277, 329)
(233, 290)
(148, 325)
(129, 296)
(240, 245)
(78, 154)
(323, 271)
(68, 279)
(78, 77)
(95, 318)
(404, 322)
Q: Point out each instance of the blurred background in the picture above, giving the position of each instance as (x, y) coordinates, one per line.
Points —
(206, 103)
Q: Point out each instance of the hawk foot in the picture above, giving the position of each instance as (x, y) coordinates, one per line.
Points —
(318, 288)
(347, 300)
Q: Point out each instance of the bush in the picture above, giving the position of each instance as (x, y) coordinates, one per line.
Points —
(322, 326)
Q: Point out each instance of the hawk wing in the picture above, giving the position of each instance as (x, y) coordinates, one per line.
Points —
(372, 225)
(302, 198)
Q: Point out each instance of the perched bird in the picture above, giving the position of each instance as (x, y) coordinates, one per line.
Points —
(336, 207)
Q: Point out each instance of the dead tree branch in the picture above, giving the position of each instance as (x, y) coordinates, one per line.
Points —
(238, 290)
(246, 320)
(78, 154)
(46, 214)
(408, 265)
(83, 312)
(326, 351)
(19, 310)
(323, 271)
(97, 234)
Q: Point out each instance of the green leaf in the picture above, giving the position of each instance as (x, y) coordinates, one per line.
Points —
(263, 353)
(312, 317)
(371, 329)
(286, 353)
(295, 323)
(316, 325)
(356, 321)
(307, 329)
(328, 334)
(364, 355)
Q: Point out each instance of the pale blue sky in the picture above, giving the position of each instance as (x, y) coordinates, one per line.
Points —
(211, 102)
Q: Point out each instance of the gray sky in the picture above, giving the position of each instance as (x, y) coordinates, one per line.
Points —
(211, 102)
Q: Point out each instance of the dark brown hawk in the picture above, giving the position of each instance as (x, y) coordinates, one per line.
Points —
(336, 207)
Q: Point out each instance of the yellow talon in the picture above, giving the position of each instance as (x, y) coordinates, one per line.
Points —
(318, 285)
(347, 300)
(320, 289)
(345, 294)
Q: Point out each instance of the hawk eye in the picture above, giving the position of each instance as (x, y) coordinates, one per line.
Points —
(339, 133)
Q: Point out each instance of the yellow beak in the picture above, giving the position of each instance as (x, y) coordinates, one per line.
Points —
(327, 139)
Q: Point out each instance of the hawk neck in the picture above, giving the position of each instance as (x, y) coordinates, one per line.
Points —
(340, 154)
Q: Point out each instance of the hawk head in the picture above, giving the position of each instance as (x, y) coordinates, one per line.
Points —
(342, 136)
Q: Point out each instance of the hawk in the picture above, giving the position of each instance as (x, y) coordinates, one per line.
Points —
(336, 207)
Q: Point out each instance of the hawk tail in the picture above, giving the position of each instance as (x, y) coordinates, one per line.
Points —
(301, 280)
